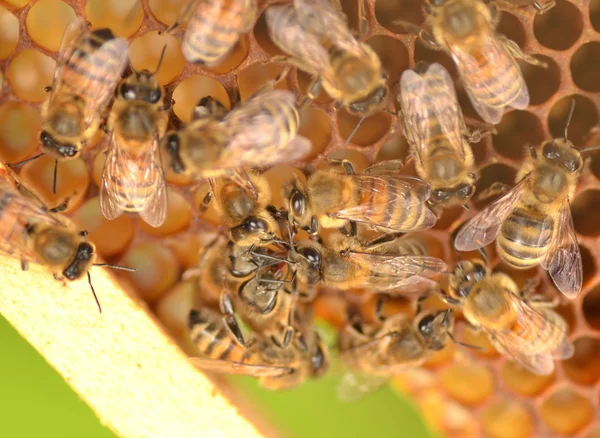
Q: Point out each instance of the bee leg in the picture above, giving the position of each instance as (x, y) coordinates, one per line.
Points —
(229, 318)
(187, 12)
(497, 188)
(48, 88)
(313, 90)
(363, 24)
(270, 85)
(205, 202)
(449, 300)
(543, 7)
(429, 40)
(516, 52)
(24, 265)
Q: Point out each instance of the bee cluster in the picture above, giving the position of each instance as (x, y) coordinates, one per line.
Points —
(336, 232)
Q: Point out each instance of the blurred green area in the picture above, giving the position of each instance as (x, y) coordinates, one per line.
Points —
(36, 402)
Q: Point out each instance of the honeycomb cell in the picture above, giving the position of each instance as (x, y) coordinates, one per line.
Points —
(560, 27)
(277, 178)
(395, 148)
(479, 340)
(72, 180)
(233, 58)
(261, 33)
(589, 264)
(584, 367)
(566, 412)
(29, 73)
(19, 126)
(314, 124)
(123, 17)
(253, 77)
(393, 55)
(18, 4)
(516, 131)
(591, 307)
(594, 433)
(585, 66)
(449, 216)
(523, 381)
(520, 276)
(586, 211)
(507, 419)
(305, 81)
(542, 82)
(98, 166)
(111, 237)
(388, 11)
(167, 11)
(595, 165)
(497, 172)
(186, 247)
(429, 56)
(358, 160)
(188, 93)
(9, 32)
(470, 384)
(174, 307)
(371, 129)
(47, 21)
(511, 27)
(595, 14)
(584, 118)
(145, 51)
(156, 269)
(179, 216)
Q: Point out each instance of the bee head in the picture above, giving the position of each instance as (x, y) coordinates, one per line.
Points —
(373, 102)
(84, 258)
(141, 86)
(453, 195)
(256, 229)
(50, 146)
(434, 328)
(465, 275)
(561, 151)
(310, 259)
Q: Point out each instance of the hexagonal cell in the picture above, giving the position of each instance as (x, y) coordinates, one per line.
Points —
(585, 66)
(393, 55)
(188, 93)
(584, 118)
(542, 82)
(261, 33)
(586, 210)
(253, 77)
(233, 58)
(516, 131)
(523, 381)
(497, 172)
(478, 339)
(449, 216)
(591, 307)
(511, 27)
(429, 56)
(589, 264)
(470, 384)
(29, 73)
(371, 129)
(186, 247)
(499, 414)
(567, 312)
(123, 17)
(595, 14)
(179, 216)
(167, 11)
(388, 11)
(18, 4)
(110, 237)
(594, 432)
(584, 367)
(9, 32)
(145, 51)
(174, 307)
(19, 127)
(560, 27)
(314, 124)
(277, 177)
(72, 180)
(47, 21)
(395, 148)
(156, 269)
(566, 412)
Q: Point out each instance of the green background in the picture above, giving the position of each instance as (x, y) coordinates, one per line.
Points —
(36, 402)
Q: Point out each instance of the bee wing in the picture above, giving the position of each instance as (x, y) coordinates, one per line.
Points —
(239, 368)
(395, 265)
(414, 110)
(540, 364)
(563, 260)
(400, 191)
(112, 171)
(67, 46)
(354, 386)
(483, 228)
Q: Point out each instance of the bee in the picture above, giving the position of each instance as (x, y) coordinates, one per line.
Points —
(277, 366)
(375, 352)
(315, 35)
(541, 7)
(485, 60)
(378, 197)
(34, 233)
(133, 178)
(214, 28)
(381, 266)
(527, 331)
(261, 132)
(435, 129)
(88, 69)
(532, 223)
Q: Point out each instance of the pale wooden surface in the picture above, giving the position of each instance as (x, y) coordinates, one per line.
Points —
(120, 362)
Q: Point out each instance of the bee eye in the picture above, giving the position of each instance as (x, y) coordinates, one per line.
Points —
(440, 195)
(312, 255)
(254, 224)
(153, 96)
(572, 165)
(298, 203)
(128, 92)
(466, 191)
(551, 152)
(45, 138)
(425, 324)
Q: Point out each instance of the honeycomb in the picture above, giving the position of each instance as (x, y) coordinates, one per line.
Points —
(461, 392)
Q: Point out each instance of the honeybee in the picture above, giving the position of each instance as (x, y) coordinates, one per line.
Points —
(277, 366)
(541, 7)
(88, 69)
(434, 127)
(378, 197)
(532, 223)
(485, 59)
(214, 28)
(375, 352)
(527, 331)
(347, 263)
(261, 132)
(133, 179)
(315, 35)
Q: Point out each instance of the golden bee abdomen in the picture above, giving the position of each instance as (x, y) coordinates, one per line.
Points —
(549, 336)
(524, 238)
(213, 339)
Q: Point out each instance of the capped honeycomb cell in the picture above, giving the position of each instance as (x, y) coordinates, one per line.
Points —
(586, 209)
(123, 17)
(9, 32)
(186, 247)
(478, 339)
(46, 22)
(585, 66)
(167, 11)
(179, 216)
(507, 419)
(584, 367)
(564, 16)
(277, 178)
(523, 381)
(517, 131)
(19, 127)
(29, 73)
(584, 118)
(469, 384)
(566, 411)
(193, 88)
(145, 52)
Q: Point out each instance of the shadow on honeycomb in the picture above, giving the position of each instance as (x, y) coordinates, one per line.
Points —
(462, 393)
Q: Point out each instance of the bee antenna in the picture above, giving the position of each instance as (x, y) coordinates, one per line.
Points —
(483, 255)
(160, 60)
(55, 175)
(590, 149)
(354, 131)
(25, 161)
(94, 292)
(121, 268)
(464, 344)
(569, 117)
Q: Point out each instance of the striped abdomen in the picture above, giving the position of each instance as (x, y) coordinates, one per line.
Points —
(548, 336)
(525, 237)
(215, 28)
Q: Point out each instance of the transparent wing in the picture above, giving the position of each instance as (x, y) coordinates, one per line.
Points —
(563, 260)
(483, 228)
(239, 368)
(540, 364)
(414, 111)
(109, 201)
(67, 44)
(354, 386)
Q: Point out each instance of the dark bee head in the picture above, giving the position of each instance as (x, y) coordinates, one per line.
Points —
(84, 258)
(371, 103)
(310, 260)
(464, 276)
(562, 152)
(141, 86)
(453, 195)
(434, 328)
(298, 205)
(254, 230)
(58, 150)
